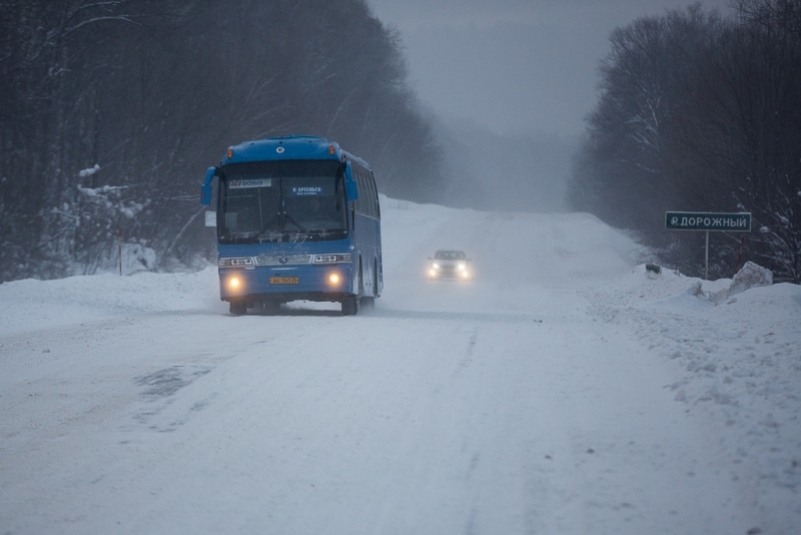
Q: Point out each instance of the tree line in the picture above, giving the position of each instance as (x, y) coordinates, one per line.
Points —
(700, 112)
(110, 112)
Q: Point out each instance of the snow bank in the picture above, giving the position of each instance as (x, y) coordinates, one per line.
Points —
(734, 347)
(31, 305)
(750, 276)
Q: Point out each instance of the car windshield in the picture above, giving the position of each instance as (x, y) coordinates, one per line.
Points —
(450, 255)
(281, 201)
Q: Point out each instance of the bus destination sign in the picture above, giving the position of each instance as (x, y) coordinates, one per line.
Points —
(709, 221)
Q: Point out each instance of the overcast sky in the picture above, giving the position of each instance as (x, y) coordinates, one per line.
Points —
(512, 65)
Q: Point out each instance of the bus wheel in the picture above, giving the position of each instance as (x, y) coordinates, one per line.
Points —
(350, 305)
(237, 308)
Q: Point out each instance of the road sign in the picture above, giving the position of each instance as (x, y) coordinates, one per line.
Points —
(709, 221)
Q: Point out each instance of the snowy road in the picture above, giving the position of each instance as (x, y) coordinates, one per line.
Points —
(501, 406)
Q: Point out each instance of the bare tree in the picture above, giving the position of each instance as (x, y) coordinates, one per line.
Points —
(112, 109)
(701, 113)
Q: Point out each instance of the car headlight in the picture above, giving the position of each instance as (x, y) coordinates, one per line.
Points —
(461, 267)
(435, 266)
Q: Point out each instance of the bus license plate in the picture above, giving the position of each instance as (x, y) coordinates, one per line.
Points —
(284, 280)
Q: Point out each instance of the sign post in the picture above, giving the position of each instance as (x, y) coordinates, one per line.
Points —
(119, 248)
(708, 221)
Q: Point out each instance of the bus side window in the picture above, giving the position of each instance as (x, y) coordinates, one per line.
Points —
(375, 196)
(367, 186)
(360, 202)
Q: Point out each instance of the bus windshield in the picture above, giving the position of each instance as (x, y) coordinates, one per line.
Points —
(282, 201)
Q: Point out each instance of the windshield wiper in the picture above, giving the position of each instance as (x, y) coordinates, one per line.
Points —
(292, 220)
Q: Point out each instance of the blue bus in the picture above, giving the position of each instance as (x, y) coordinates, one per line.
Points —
(297, 218)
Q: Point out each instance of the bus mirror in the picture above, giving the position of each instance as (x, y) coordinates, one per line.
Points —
(211, 218)
(205, 194)
(205, 189)
(351, 188)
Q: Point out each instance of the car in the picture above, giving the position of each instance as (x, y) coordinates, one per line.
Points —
(449, 264)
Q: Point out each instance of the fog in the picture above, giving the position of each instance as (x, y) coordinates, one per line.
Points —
(503, 75)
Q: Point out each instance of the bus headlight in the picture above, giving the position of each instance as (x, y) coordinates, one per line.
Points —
(235, 283)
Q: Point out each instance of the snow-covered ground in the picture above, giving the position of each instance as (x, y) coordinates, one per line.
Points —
(564, 390)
